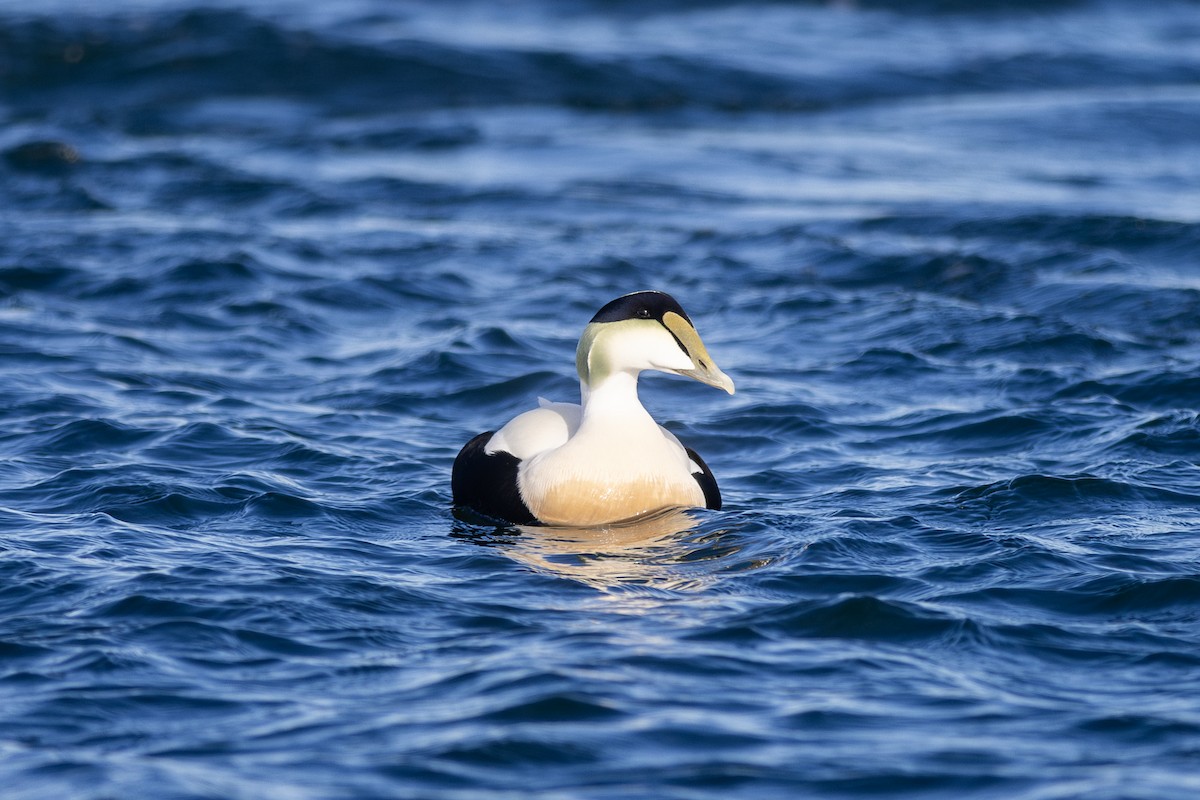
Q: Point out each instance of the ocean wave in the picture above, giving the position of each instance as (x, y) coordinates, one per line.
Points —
(1045, 497)
(1151, 390)
(144, 64)
(263, 270)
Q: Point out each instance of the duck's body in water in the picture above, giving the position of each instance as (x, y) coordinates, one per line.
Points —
(606, 459)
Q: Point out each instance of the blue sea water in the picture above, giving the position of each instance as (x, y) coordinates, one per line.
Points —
(265, 267)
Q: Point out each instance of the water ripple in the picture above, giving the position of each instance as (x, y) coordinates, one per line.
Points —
(263, 270)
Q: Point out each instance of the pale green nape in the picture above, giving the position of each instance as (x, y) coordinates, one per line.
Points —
(581, 352)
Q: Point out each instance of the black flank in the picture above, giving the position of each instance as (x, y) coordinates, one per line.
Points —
(708, 483)
(488, 483)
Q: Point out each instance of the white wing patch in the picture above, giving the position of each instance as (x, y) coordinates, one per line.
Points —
(537, 431)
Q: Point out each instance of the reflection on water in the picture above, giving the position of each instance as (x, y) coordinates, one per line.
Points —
(664, 550)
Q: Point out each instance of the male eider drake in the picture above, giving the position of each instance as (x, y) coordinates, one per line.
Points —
(605, 460)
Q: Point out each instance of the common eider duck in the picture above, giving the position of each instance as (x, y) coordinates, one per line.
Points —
(605, 460)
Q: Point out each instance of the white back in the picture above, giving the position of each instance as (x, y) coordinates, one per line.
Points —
(537, 431)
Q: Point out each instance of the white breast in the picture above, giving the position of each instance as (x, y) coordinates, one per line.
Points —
(608, 474)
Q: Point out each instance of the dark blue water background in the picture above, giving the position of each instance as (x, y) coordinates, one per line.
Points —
(264, 268)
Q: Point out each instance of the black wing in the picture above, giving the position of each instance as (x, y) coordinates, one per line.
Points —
(488, 483)
(708, 484)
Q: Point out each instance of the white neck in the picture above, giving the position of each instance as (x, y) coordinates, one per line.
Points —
(613, 399)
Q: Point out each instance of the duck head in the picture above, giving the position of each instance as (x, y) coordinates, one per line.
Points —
(640, 331)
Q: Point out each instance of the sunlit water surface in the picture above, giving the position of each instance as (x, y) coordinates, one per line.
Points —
(265, 267)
